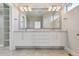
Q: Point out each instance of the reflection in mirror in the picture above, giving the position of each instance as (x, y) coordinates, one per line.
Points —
(40, 18)
(34, 22)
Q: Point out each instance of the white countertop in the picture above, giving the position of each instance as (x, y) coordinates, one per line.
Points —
(39, 30)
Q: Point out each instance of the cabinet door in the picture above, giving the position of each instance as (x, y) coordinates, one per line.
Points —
(28, 39)
(17, 37)
(61, 37)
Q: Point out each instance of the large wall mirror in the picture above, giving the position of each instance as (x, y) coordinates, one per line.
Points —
(40, 18)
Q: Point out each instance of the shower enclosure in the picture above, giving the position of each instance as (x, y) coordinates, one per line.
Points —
(4, 24)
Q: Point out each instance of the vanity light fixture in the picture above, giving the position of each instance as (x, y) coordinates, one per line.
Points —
(25, 8)
(58, 8)
(21, 8)
(29, 8)
(54, 8)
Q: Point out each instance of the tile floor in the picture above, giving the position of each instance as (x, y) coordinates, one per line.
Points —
(32, 52)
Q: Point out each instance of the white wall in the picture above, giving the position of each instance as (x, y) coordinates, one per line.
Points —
(71, 24)
(15, 18)
(13, 23)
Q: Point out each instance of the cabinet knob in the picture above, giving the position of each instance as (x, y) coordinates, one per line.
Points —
(77, 34)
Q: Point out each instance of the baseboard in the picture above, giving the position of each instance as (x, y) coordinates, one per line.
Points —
(72, 52)
(43, 47)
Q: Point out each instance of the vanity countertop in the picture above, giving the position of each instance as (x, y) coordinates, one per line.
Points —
(40, 30)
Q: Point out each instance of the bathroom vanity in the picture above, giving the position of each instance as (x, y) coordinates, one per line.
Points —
(39, 39)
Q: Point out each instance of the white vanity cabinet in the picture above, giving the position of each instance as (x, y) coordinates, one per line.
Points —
(39, 38)
(60, 38)
(28, 39)
(17, 37)
(44, 38)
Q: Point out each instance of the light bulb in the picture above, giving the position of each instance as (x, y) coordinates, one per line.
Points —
(50, 8)
(21, 8)
(25, 9)
(29, 9)
(58, 8)
(54, 8)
